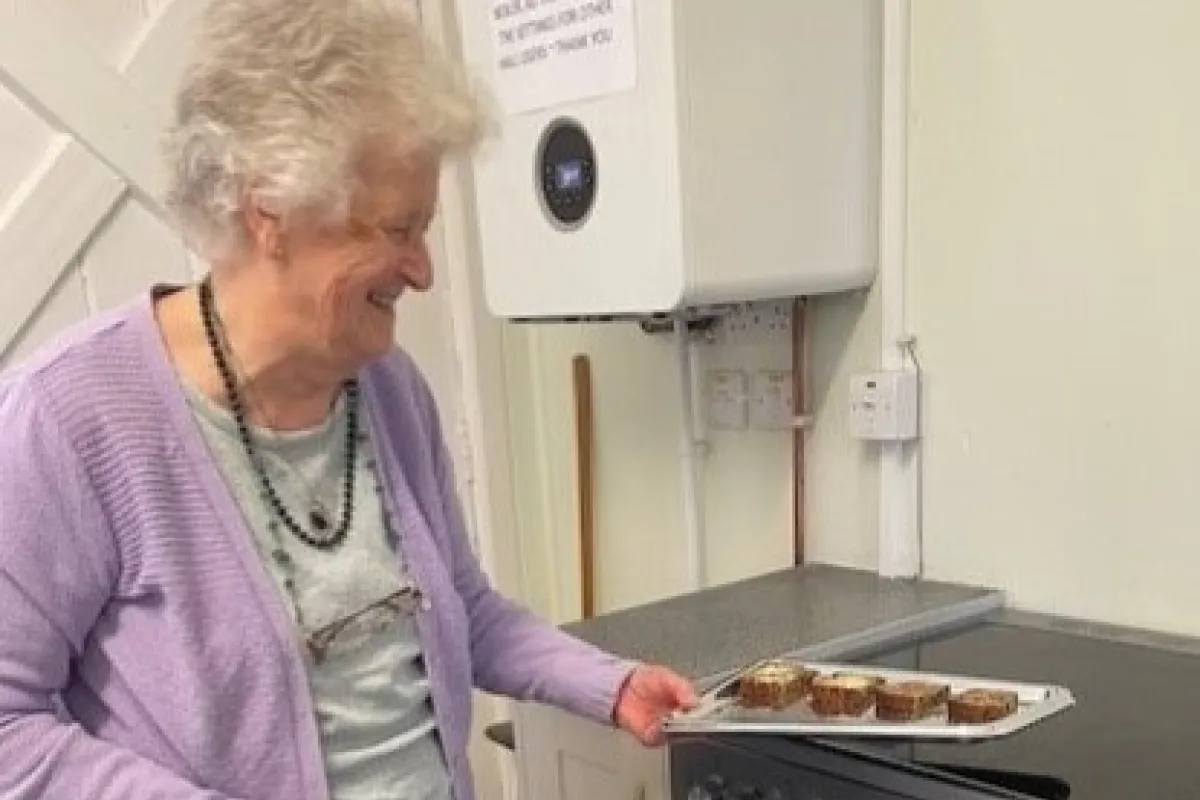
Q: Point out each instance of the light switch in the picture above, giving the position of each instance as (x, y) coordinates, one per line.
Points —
(883, 406)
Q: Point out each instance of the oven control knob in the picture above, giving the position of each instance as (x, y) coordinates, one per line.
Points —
(712, 788)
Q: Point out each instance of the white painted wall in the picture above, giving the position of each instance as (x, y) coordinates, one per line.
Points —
(639, 521)
(841, 474)
(1054, 207)
(748, 486)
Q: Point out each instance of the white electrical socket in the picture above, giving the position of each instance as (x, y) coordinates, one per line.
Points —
(725, 395)
(755, 323)
(772, 406)
(884, 406)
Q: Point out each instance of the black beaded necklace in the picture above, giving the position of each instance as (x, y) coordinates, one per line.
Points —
(317, 516)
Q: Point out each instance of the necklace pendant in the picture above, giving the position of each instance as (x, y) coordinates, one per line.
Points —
(282, 558)
(319, 517)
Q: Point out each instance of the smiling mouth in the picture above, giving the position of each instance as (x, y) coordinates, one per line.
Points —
(383, 300)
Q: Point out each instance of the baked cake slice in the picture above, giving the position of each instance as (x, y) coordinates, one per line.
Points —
(908, 701)
(977, 706)
(774, 684)
(843, 695)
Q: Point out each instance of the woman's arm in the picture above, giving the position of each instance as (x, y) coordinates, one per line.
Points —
(58, 568)
(514, 652)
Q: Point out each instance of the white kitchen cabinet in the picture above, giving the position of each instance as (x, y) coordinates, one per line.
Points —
(564, 757)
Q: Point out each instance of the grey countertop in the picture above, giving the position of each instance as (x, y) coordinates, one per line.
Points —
(817, 611)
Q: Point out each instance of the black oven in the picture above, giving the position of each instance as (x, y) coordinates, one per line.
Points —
(772, 768)
(1134, 733)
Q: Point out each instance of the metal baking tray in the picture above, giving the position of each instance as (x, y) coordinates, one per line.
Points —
(719, 711)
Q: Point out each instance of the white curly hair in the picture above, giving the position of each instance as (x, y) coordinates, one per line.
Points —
(286, 96)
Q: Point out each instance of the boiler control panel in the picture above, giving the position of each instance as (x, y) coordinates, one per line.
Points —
(565, 174)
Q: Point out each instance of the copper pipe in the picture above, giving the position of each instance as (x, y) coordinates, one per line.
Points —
(584, 467)
(801, 364)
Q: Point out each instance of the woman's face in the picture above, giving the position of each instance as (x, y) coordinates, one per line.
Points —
(345, 280)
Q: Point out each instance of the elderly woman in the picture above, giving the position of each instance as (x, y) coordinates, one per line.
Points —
(232, 562)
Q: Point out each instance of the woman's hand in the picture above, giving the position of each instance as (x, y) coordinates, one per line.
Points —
(650, 695)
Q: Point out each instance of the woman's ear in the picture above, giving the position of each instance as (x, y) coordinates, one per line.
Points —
(264, 226)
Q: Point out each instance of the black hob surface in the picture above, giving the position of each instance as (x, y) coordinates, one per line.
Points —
(1134, 732)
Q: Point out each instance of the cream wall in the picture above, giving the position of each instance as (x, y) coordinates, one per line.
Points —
(641, 547)
(748, 474)
(1054, 207)
(842, 474)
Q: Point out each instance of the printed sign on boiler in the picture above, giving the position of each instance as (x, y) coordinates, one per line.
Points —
(549, 52)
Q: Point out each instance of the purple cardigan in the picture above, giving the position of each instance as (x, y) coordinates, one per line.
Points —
(130, 589)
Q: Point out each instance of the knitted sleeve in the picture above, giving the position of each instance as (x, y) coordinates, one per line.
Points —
(58, 568)
(513, 652)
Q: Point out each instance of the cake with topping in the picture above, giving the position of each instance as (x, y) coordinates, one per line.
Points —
(909, 701)
(774, 684)
(978, 706)
(843, 695)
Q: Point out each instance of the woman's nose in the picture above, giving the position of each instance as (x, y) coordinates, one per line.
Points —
(418, 269)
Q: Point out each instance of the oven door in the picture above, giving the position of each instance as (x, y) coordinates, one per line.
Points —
(775, 768)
